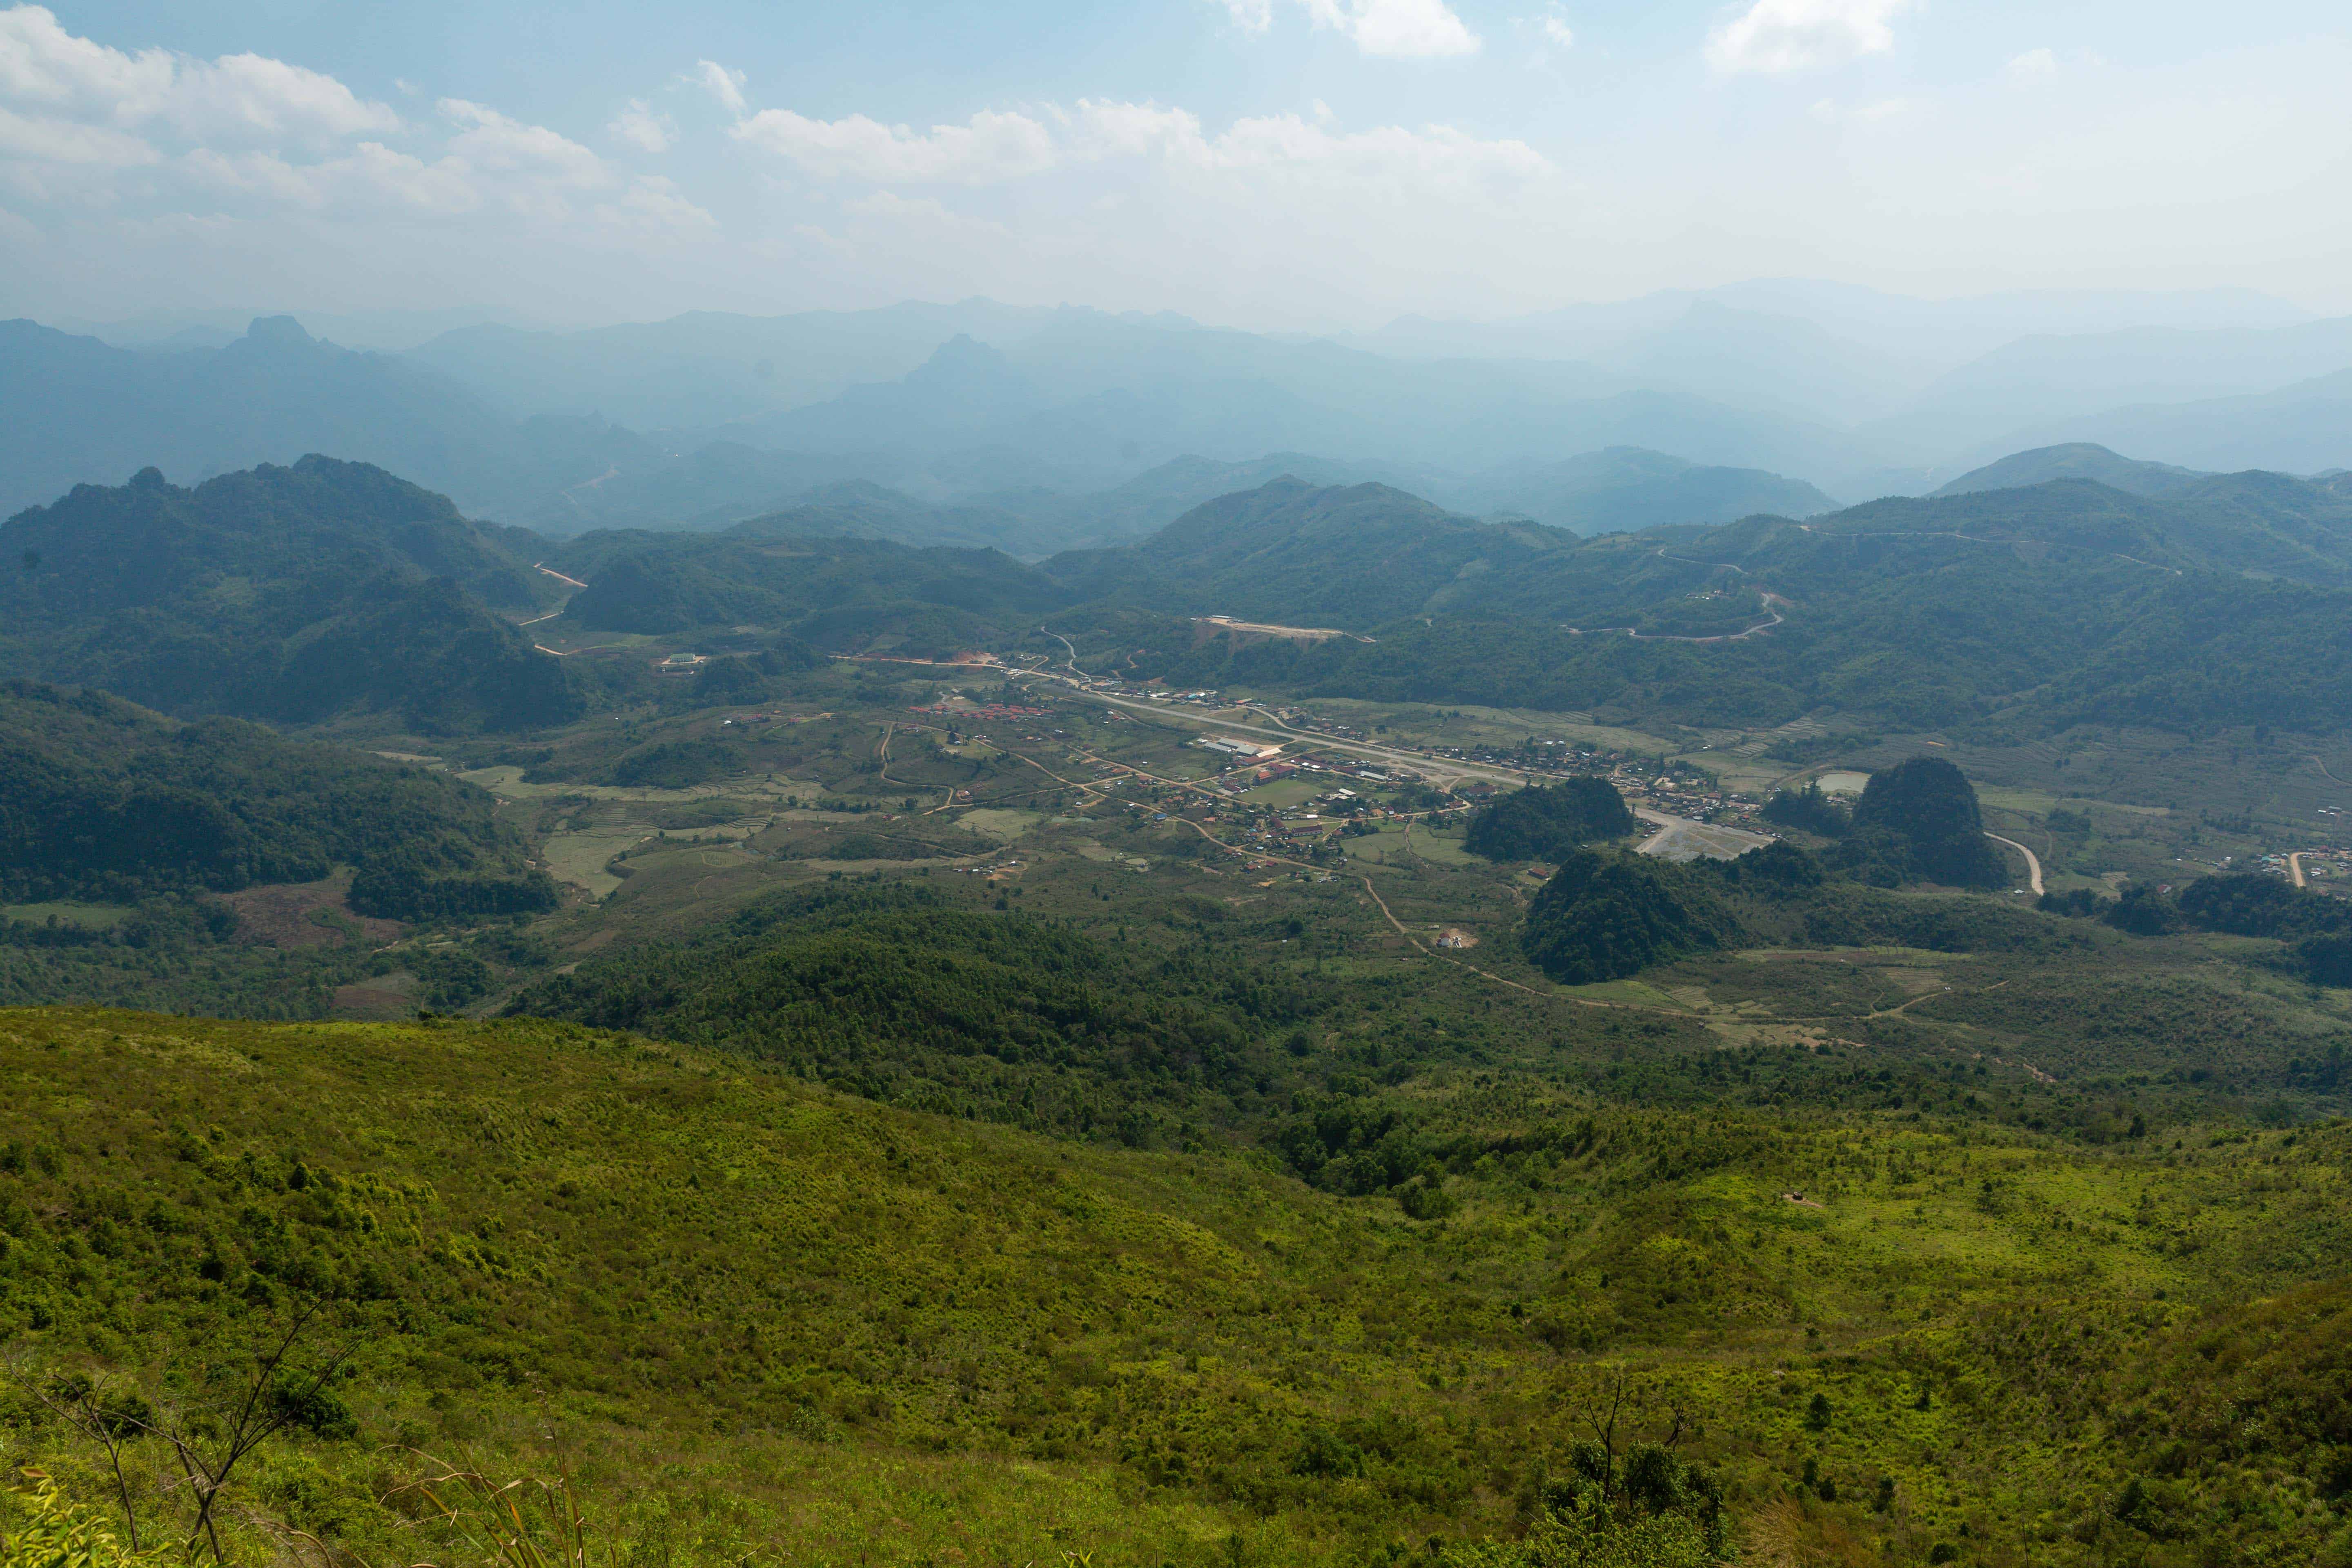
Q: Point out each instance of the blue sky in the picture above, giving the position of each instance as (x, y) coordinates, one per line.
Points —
(1266, 162)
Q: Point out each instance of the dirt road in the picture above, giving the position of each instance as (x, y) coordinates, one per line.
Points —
(2034, 863)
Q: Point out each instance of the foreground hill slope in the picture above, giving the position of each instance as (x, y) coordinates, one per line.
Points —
(755, 1313)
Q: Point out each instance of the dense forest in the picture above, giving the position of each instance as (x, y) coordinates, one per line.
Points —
(1919, 822)
(100, 799)
(1547, 821)
(291, 594)
(1608, 913)
(897, 995)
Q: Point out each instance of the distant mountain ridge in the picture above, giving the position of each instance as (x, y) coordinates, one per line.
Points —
(2078, 460)
(1032, 412)
(74, 410)
(1627, 488)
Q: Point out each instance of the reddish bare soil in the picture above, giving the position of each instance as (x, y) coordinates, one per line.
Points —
(280, 915)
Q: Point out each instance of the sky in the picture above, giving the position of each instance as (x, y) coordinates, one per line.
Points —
(1301, 164)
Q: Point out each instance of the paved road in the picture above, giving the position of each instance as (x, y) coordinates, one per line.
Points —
(2033, 864)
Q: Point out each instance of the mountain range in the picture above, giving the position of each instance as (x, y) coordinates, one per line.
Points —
(1036, 420)
(331, 590)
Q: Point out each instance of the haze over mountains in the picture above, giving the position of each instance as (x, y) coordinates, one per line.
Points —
(1041, 429)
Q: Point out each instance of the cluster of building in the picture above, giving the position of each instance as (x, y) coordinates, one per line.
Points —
(1128, 689)
(1234, 746)
(981, 711)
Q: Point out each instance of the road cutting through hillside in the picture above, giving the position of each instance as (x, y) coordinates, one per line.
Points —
(2034, 863)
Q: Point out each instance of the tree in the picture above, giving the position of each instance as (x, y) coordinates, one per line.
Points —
(251, 1402)
(1808, 809)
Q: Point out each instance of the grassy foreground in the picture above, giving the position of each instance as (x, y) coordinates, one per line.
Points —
(753, 1318)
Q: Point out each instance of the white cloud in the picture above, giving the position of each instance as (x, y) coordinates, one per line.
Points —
(245, 140)
(43, 66)
(1833, 113)
(38, 140)
(494, 142)
(639, 126)
(1560, 32)
(925, 214)
(370, 178)
(652, 206)
(992, 147)
(996, 147)
(1397, 29)
(2032, 67)
(250, 97)
(48, 72)
(1779, 36)
(1400, 29)
(721, 83)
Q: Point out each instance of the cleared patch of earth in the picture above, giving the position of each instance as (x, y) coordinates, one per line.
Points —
(305, 914)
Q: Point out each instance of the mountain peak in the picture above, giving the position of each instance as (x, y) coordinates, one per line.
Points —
(278, 332)
(2073, 460)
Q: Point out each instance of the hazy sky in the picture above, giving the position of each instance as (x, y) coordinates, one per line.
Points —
(1261, 162)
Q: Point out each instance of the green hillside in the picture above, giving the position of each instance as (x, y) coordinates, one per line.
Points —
(2018, 611)
(751, 1317)
(294, 594)
(788, 570)
(103, 800)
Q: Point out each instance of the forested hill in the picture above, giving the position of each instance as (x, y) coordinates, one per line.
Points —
(100, 799)
(2074, 460)
(1348, 555)
(288, 593)
(787, 570)
(2258, 523)
(301, 593)
(2032, 609)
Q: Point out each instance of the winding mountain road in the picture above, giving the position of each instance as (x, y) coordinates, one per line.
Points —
(2032, 862)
